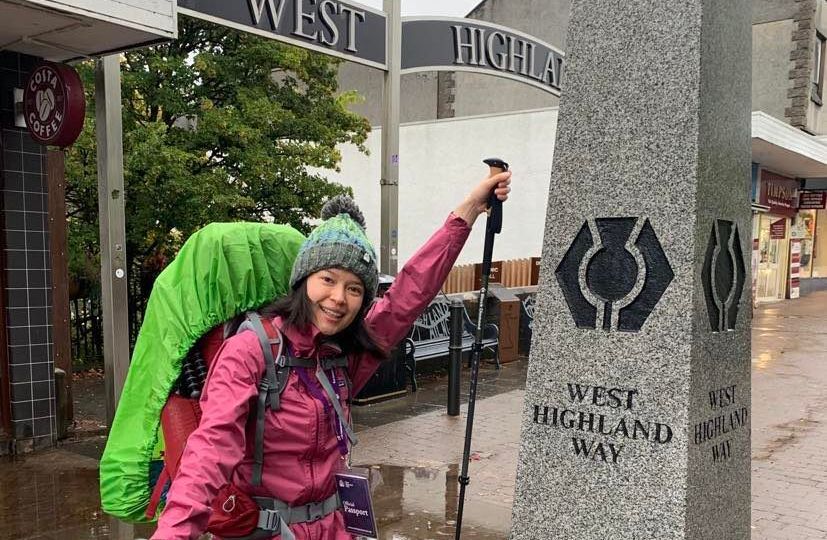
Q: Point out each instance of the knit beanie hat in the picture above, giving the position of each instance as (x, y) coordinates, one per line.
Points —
(340, 241)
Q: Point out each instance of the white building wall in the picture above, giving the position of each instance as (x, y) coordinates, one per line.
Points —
(441, 160)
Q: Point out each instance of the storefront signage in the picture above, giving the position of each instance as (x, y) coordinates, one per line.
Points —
(344, 29)
(812, 200)
(469, 45)
(54, 105)
(778, 229)
(795, 268)
(779, 193)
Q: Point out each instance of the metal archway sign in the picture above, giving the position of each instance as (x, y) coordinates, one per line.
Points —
(446, 44)
(359, 34)
(343, 29)
(383, 40)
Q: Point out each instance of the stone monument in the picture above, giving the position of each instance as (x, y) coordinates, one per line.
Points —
(636, 423)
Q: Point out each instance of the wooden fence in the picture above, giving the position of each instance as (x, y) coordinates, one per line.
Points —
(517, 273)
(460, 279)
(512, 273)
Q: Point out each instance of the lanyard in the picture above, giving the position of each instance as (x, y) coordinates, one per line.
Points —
(318, 388)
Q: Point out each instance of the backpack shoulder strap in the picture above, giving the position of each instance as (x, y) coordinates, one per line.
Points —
(272, 383)
(272, 345)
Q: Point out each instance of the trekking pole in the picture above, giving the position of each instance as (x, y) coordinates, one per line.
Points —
(493, 226)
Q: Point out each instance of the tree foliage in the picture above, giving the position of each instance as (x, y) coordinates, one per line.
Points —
(218, 125)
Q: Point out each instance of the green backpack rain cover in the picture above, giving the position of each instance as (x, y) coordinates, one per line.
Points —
(221, 271)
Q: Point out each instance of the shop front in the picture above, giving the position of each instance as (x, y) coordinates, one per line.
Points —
(789, 232)
(39, 116)
(771, 232)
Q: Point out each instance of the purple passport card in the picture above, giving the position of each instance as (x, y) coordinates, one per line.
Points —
(357, 507)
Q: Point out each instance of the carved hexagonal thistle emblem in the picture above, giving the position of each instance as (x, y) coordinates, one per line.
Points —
(614, 273)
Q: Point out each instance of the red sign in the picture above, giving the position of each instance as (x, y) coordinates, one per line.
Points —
(812, 200)
(778, 192)
(778, 229)
(54, 104)
(535, 270)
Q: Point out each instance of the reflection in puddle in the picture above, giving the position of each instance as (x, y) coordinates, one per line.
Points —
(762, 361)
(421, 504)
(54, 496)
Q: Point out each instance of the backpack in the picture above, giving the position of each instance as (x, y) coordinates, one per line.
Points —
(182, 413)
(222, 271)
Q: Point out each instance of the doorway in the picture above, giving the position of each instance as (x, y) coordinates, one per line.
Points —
(772, 258)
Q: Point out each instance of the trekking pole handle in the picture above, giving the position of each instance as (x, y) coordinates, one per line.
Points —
(495, 205)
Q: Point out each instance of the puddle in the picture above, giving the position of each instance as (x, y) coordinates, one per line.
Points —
(421, 504)
(54, 496)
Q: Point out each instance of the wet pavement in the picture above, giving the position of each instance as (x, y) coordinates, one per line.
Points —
(413, 449)
(789, 429)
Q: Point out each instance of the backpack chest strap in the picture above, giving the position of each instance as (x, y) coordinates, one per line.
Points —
(325, 363)
(275, 380)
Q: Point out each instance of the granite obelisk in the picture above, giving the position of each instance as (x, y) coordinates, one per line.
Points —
(636, 424)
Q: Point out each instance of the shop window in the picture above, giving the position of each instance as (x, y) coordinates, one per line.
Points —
(803, 229)
(818, 68)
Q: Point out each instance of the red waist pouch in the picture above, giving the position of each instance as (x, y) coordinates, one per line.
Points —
(234, 513)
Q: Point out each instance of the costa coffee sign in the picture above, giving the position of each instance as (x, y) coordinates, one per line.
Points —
(54, 105)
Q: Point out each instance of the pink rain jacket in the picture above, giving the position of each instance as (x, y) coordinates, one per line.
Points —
(300, 447)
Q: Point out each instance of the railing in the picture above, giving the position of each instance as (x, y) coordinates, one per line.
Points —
(87, 316)
(86, 321)
(517, 273)
(86, 331)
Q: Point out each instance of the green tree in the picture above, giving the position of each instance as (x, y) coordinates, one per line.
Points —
(218, 125)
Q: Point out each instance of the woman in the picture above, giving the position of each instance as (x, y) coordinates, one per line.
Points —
(329, 313)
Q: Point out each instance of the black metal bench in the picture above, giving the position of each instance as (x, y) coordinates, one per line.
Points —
(526, 323)
(430, 336)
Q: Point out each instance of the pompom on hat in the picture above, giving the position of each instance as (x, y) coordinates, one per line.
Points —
(339, 242)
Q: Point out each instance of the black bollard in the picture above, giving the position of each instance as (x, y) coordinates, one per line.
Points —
(454, 357)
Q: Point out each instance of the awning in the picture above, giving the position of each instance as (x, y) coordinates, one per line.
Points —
(61, 30)
(786, 150)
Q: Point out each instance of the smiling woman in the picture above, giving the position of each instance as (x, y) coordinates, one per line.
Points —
(333, 333)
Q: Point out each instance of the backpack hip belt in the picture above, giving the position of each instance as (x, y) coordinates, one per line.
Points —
(276, 516)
